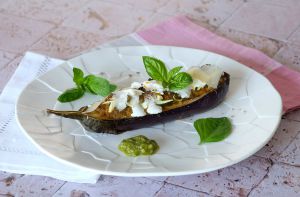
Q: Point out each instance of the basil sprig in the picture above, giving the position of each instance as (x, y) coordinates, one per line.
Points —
(213, 129)
(173, 79)
(90, 83)
(71, 95)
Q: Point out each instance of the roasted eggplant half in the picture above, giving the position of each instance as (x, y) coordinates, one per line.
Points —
(139, 106)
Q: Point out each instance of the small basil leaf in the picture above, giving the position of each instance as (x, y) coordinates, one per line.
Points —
(180, 81)
(77, 76)
(112, 87)
(213, 129)
(71, 95)
(164, 84)
(97, 85)
(174, 71)
(155, 68)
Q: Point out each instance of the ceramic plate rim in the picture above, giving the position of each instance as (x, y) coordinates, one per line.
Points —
(149, 174)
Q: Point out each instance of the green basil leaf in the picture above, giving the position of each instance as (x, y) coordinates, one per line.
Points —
(165, 84)
(174, 71)
(155, 68)
(180, 81)
(71, 95)
(90, 83)
(97, 85)
(213, 129)
(112, 87)
(77, 76)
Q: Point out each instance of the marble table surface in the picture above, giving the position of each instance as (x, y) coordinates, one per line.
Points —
(63, 28)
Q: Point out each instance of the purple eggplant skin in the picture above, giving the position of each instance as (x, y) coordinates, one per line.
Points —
(209, 101)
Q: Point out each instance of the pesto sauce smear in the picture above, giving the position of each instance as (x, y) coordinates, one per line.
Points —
(138, 145)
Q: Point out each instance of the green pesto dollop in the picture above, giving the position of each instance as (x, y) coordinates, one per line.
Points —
(138, 145)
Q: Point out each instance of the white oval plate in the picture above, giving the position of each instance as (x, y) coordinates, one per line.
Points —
(252, 104)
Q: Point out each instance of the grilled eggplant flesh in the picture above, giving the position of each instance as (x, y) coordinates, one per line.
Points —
(116, 122)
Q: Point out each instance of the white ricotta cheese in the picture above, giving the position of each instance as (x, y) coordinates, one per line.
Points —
(150, 105)
(136, 85)
(184, 93)
(153, 86)
(209, 74)
(198, 84)
(121, 97)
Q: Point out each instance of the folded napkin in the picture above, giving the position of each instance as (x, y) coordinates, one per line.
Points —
(19, 155)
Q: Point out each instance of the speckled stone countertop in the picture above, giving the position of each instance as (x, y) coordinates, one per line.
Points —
(63, 28)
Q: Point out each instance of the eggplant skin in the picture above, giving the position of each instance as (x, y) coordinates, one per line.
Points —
(207, 102)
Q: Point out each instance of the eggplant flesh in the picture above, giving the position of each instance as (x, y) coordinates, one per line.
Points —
(117, 126)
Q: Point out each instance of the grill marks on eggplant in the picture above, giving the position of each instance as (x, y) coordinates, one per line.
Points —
(116, 122)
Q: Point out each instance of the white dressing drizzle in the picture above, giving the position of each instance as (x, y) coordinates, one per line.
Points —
(184, 93)
(153, 86)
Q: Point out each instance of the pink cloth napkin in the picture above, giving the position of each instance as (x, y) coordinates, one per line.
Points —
(180, 31)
